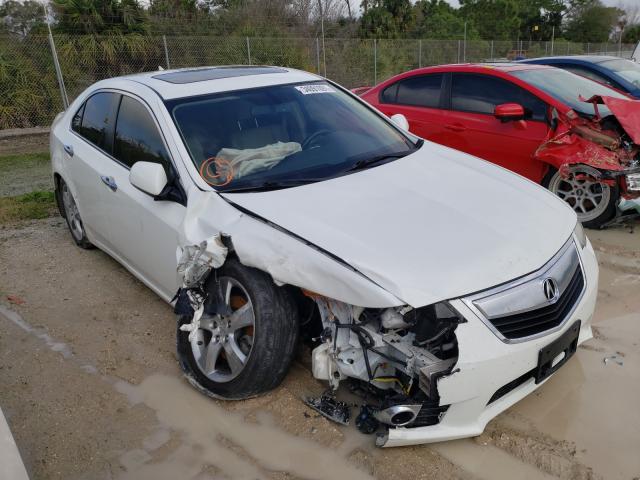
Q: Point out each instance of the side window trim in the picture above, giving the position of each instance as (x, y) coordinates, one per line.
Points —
(500, 80)
(445, 95)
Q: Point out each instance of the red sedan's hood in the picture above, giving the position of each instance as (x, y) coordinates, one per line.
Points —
(627, 111)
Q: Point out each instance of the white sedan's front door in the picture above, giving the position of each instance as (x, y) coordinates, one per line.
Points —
(143, 231)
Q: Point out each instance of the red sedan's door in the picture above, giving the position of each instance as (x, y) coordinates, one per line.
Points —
(418, 98)
(473, 128)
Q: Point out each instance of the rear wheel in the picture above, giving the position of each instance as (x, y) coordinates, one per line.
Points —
(594, 202)
(72, 215)
(247, 350)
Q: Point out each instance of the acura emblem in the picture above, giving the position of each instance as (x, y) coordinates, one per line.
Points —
(550, 288)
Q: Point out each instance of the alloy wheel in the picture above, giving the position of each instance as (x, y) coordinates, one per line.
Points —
(582, 191)
(222, 345)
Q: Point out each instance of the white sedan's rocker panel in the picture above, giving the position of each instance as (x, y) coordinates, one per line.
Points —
(422, 232)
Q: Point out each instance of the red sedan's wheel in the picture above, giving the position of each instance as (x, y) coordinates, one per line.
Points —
(594, 202)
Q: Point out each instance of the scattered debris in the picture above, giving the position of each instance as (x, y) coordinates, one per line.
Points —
(328, 406)
(613, 358)
(16, 300)
(365, 421)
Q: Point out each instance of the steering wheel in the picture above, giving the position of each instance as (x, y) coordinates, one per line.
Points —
(314, 136)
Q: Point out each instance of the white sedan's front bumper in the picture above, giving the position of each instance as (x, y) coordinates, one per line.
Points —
(485, 364)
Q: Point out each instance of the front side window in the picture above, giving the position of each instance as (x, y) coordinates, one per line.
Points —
(419, 91)
(94, 120)
(137, 138)
(284, 135)
(483, 93)
(569, 88)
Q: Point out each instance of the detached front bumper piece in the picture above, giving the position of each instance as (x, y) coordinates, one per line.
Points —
(493, 373)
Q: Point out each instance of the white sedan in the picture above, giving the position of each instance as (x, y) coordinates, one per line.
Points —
(270, 205)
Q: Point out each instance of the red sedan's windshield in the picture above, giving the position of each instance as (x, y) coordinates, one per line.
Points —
(273, 137)
(568, 87)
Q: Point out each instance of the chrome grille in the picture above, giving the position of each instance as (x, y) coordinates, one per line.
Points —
(542, 319)
(536, 304)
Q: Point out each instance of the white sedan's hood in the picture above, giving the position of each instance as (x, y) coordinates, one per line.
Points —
(435, 225)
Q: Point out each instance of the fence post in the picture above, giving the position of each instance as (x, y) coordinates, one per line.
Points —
(56, 64)
(588, 48)
(375, 61)
(166, 51)
(420, 53)
(318, 53)
(248, 50)
(324, 58)
(491, 56)
(464, 50)
(458, 58)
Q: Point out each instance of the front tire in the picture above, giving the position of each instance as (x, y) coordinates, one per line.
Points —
(247, 350)
(595, 203)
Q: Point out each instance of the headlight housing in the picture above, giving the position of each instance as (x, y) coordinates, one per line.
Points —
(633, 182)
(580, 235)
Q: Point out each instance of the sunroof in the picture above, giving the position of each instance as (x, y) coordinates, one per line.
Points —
(214, 73)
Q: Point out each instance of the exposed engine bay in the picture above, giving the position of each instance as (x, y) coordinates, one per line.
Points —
(391, 357)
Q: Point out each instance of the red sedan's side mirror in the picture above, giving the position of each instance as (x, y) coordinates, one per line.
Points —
(509, 111)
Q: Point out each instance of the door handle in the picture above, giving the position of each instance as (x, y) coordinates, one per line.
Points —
(109, 182)
(455, 127)
(69, 149)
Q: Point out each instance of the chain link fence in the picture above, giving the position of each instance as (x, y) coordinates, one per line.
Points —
(31, 94)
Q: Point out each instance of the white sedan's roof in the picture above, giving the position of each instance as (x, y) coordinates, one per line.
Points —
(187, 82)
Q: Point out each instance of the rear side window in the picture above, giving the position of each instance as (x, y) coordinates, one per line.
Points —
(94, 120)
(482, 93)
(418, 91)
(137, 137)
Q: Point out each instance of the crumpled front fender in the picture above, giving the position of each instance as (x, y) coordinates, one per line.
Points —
(286, 257)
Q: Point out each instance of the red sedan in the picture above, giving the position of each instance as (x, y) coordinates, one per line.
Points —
(574, 136)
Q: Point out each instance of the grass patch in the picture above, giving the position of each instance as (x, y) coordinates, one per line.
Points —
(24, 160)
(23, 173)
(29, 206)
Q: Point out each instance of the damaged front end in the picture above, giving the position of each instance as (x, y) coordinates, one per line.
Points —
(608, 143)
(392, 357)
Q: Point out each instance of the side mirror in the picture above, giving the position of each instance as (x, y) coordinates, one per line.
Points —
(509, 111)
(148, 177)
(401, 121)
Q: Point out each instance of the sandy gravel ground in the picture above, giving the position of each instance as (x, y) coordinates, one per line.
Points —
(91, 389)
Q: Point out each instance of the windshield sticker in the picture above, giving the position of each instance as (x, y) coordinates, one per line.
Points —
(312, 89)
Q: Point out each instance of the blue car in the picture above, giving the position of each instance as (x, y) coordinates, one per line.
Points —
(616, 72)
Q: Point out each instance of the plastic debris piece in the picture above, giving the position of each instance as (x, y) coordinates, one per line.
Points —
(613, 358)
(327, 406)
(16, 300)
(197, 261)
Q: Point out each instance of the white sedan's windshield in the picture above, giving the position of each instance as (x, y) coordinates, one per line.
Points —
(285, 135)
